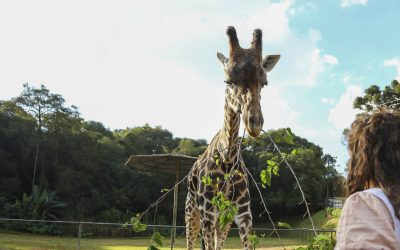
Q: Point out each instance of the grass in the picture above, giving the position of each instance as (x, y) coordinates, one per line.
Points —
(13, 241)
(291, 240)
(320, 221)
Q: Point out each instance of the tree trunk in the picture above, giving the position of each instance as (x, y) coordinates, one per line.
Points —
(35, 165)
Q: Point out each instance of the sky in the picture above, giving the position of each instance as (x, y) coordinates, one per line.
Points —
(128, 63)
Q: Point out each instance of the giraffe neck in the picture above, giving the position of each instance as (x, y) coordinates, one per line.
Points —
(228, 135)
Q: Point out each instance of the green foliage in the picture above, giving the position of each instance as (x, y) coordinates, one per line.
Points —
(227, 211)
(336, 212)
(82, 161)
(254, 239)
(191, 147)
(288, 136)
(206, 179)
(156, 241)
(42, 104)
(284, 224)
(112, 215)
(217, 160)
(320, 242)
(375, 97)
(137, 226)
(40, 204)
(266, 174)
(307, 160)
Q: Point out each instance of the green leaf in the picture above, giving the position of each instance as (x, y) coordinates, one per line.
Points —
(275, 170)
(322, 237)
(151, 247)
(157, 238)
(284, 224)
(294, 152)
(271, 163)
(288, 137)
(217, 160)
(265, 176)
(226, 176)
(254, 239)
(164, 190)
(137, 226)
(227, 211)
(206, 179)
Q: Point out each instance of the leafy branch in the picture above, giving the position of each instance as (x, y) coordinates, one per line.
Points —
(297, 180)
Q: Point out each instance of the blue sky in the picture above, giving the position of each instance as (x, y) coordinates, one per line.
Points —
(127, 63)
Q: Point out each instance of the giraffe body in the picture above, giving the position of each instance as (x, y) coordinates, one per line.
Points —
(245, 75)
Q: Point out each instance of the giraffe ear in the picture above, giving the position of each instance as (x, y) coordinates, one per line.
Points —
(269, 62)
(222, 59)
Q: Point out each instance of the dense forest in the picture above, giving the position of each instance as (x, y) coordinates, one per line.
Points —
(56, 165)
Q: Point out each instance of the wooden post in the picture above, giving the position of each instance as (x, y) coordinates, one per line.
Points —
(175, 209)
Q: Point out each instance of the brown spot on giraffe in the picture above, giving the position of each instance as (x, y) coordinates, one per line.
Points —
(245, 74)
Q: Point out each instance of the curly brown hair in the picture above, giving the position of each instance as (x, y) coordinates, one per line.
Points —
(374, 148)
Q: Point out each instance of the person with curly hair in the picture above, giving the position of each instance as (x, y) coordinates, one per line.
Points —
(370, 216)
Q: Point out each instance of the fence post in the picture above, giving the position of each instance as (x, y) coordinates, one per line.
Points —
(78, 247)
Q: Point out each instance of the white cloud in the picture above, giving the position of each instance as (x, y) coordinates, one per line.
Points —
(277, 112)
(346, 78)
(396, 63)
(134, 62)
(343, 114)
(330, 60)
(326, 100)
(318, 65)
(302, 9)
(114, 60)
(348, 3)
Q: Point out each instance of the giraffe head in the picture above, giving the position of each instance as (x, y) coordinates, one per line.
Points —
(245, 74)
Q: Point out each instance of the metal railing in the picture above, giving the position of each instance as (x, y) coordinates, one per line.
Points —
(87, 229)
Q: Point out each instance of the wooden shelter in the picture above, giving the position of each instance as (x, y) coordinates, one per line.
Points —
(168, 163)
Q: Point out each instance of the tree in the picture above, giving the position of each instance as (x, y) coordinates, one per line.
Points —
(374, 97)
(41, 104)
(283, 195)
(16, 144)
(334, 185)
(146, 140)
(191, 147)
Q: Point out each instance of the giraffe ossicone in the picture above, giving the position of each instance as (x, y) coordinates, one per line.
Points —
(245, 74)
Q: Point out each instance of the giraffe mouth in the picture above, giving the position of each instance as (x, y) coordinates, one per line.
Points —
(253, 133)
(253, 124)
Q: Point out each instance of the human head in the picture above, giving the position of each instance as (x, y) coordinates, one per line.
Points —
(374, 149)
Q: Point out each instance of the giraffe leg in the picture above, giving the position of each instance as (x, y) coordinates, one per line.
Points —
(244, 223)
(221, 236)
(208, 222)
(192, 221)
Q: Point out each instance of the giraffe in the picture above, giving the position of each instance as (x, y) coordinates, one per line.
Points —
(245, 74)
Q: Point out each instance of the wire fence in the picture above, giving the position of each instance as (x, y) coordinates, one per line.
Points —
(83, 231)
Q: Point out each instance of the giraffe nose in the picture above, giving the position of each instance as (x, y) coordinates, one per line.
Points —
(255, 121)
(252, 121)
(254, 124)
